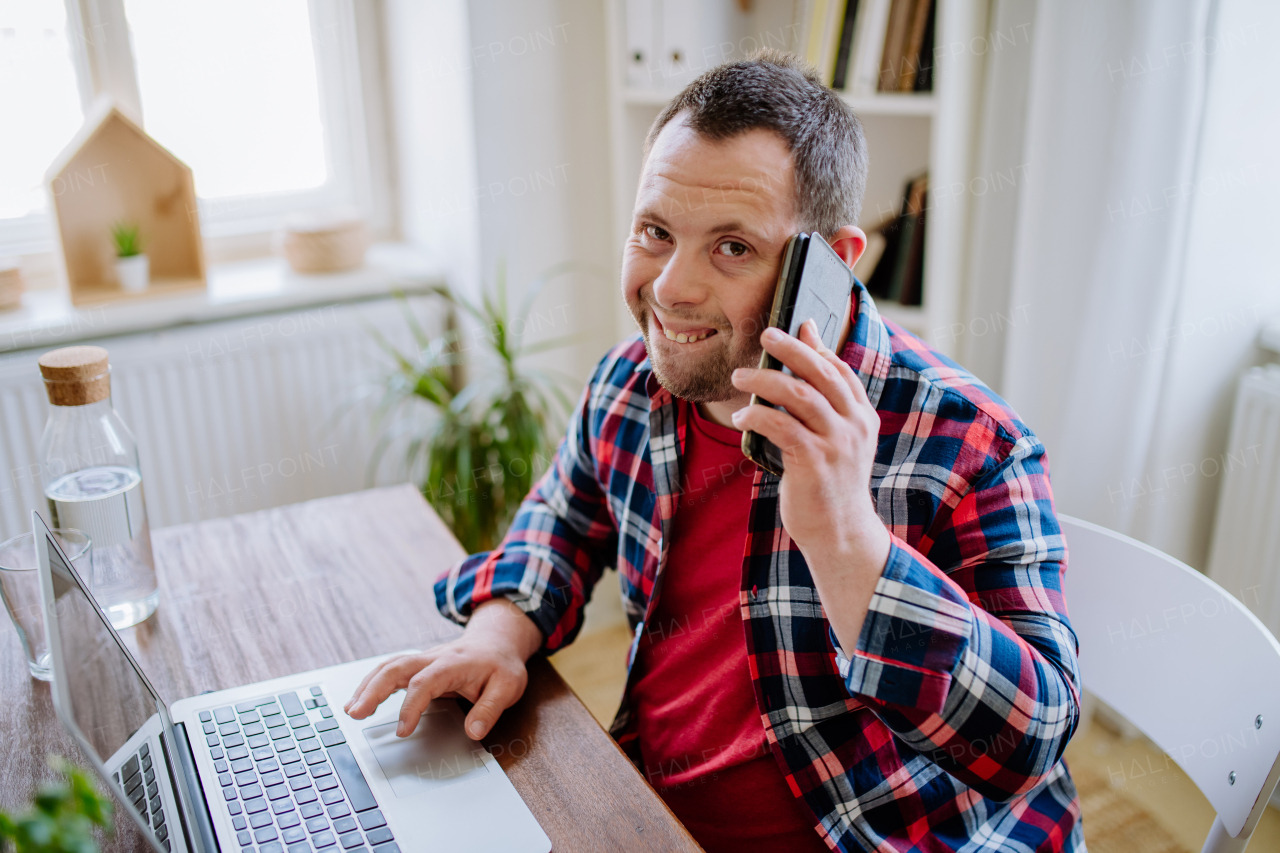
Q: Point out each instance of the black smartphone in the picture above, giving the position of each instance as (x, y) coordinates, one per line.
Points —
(814, 282)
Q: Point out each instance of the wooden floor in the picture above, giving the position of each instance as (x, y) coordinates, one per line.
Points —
(1144, 788)
(596, 668)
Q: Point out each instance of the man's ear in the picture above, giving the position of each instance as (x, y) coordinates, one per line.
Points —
(849, 242)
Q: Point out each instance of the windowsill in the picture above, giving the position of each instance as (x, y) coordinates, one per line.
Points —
(241, 288)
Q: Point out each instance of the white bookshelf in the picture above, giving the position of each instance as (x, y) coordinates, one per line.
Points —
(893, 105)
(906, 134)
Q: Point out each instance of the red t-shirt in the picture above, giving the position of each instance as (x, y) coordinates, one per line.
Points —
(700, 732)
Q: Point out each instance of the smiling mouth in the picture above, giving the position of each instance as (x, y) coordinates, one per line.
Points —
(683, 337)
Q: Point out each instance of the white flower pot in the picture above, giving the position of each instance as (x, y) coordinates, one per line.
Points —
(133, 272)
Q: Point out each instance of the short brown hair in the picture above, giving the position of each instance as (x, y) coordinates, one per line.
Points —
(780, 92)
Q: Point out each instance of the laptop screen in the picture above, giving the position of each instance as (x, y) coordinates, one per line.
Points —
(107, 699)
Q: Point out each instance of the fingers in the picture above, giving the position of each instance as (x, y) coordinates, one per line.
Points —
(809, 333)
(822, 399)
(789, 435)
(428, 684)
(387, 678)
(499, 694)
(801, 400)
(863, 413)
(476, 667)
(820, 368)
(496, 693)
(364, 682)
(846, 374)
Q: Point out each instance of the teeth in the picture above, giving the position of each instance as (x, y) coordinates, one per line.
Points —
(681, 337)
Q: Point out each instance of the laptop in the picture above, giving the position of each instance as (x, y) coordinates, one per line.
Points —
(274, 766)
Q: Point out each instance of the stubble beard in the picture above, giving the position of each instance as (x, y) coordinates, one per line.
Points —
(705, 378)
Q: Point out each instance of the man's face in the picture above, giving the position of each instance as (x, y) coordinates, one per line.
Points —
(711, 222)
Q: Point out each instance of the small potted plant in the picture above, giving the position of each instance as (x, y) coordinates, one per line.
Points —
(133, 268)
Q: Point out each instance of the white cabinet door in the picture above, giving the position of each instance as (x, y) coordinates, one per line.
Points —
(642, 47)
(670, 42)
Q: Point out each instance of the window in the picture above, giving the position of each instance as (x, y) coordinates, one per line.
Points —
(263, 99)
(42, 111)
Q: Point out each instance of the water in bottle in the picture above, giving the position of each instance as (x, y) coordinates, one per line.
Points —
(93, 482)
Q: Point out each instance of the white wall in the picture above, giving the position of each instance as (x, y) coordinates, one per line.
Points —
(511, 98)
(1231, 284)
(542, 184)
(428, 75)
(499, 128)
(994, 213)
(541, 119)
(1133, 267)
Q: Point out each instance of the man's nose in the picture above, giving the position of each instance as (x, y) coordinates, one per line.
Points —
(681, 280)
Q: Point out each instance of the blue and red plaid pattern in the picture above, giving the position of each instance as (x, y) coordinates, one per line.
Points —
(945, 727)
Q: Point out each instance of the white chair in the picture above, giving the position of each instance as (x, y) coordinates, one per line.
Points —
(1186, 663)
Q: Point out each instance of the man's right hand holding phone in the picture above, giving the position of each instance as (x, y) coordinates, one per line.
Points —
(485, 665)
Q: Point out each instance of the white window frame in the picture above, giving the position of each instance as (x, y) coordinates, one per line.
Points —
(345, 36)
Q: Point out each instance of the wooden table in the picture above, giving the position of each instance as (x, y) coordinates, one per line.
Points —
(271, 593)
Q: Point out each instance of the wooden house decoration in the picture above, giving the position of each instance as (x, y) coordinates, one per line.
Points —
(113, 172)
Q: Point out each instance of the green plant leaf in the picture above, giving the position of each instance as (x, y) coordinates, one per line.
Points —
(127, 238)
(474, 450)
(411, 320)
(468, 306)
(402, 361)
(63, 816)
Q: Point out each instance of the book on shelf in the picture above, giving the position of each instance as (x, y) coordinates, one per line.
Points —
(909, 65)
(820, 23)
(807, 24)
(896, 273)
(895, 44)
(869, 46)
(840, 72)
(868, 42)
(871, 255)
(924, 72)
(837, 10)
(909, 278)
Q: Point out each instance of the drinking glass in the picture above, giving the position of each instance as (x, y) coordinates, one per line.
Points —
(20, 589)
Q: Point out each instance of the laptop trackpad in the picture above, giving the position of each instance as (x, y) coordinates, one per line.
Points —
(438, 752)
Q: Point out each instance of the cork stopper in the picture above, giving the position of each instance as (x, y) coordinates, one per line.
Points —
(76, 376)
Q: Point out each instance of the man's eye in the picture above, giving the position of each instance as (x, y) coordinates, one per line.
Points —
(732, 248)
(657, 233)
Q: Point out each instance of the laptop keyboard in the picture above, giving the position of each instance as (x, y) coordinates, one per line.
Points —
(138, 778)
(289, 779)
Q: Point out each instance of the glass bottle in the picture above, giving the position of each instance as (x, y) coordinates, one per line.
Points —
(93, 482)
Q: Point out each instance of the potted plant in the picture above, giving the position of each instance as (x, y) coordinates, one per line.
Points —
(475, 449)
(62, 818)
(133, 268)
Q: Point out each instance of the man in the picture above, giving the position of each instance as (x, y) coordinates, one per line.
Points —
(869, 653)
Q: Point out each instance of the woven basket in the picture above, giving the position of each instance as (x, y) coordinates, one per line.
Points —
(11, 284)
(320, 244)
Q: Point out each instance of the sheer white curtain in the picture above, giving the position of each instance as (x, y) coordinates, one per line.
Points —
(1140, 149)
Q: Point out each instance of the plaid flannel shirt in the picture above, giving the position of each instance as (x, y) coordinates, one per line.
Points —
(943, 730)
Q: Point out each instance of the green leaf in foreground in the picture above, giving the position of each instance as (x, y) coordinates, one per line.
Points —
(62, 818)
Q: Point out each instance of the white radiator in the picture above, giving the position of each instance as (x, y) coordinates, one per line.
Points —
(230, 417)
(1244, 557)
